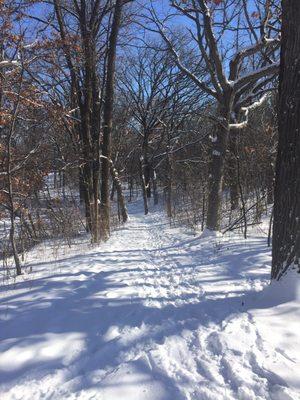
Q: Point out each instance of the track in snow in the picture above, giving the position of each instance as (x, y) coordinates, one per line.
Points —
(154, 314)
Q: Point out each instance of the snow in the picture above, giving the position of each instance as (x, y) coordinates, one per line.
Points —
(210, 233)
(153, 314)
(9, 63)
(213, 138)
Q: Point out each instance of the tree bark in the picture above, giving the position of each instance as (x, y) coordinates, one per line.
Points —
(286, 227)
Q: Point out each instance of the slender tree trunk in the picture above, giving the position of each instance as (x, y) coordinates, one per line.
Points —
(121, 198)
(13, 244)
(10, 182)
(203, 208)
(216, 180)
(270, 228)
(96, 191)
(12, 209)
(81, 186)
(130, 189)
(154, 185)
(144, 189)
(87, 191)
(244, 213)
(169, 184)
(146, 167)
(147, 174)
(112, 193)
(270, 185)
(55, 179)
(232, 164)
(108, 118)
(286, 226)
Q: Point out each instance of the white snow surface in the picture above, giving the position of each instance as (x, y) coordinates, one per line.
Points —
(153, 314)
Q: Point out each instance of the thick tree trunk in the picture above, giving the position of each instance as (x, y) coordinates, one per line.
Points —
(215, 194)
(108, 118)
(286, 227)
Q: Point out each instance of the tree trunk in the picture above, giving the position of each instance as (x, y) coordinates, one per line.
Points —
(286, 226)
(146, 167)
(270, 185)
(108, 118)
(154, 185)
(81, 186)
(147, 174)
(244, 214)
(121, 198)
(130, 189)
(87, 190)
(112, 193)
(13, 245)
(233, 178)
(12, 213)
(216, 179)
(169, 184)
(144, 189)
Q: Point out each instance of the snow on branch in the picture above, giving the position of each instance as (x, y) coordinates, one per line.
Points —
(245, 111)
(9, 63)
(251, 50)
(255, 75)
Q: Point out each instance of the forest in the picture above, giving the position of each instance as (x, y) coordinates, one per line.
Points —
(150, 199)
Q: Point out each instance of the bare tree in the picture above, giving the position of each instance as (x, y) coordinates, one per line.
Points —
(232, 84)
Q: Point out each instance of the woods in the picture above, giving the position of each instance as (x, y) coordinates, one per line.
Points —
(149, 199)
(178, 105)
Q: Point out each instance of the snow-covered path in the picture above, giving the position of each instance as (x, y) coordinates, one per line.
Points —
(153, 314)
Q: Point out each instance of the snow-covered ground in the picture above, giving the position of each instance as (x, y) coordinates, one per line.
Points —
(153, 314)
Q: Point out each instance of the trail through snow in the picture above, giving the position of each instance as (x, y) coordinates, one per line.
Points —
(153, 314)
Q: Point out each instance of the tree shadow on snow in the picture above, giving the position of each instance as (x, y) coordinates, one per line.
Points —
(54, 307)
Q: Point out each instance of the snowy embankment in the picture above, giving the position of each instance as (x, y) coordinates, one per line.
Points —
(154, 314)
